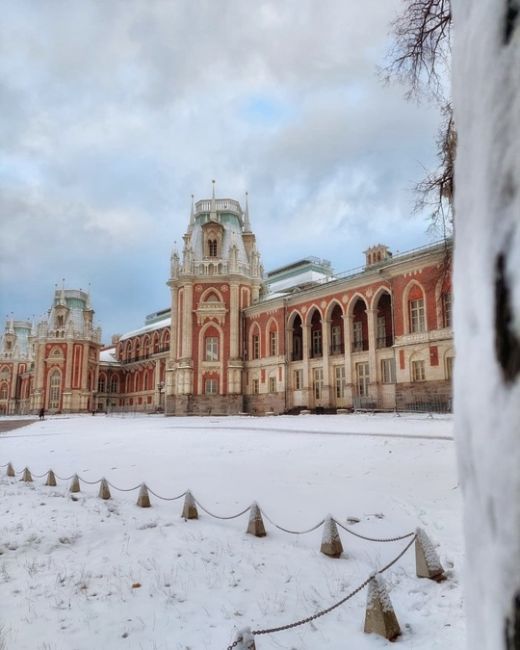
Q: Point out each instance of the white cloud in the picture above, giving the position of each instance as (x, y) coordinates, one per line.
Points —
(114, 113)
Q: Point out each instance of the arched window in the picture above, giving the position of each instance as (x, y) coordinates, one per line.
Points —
(54, 390)
(211, 348)
(359, 326)
(416, 310)
(102, 384)
(114, 384)
(297, 339)
(316, 335)
(212, 247)
(4, 390)
(336, 330)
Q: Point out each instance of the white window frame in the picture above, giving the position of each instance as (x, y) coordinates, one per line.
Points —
(210, 386)
(317, 382)
(362, 378)
(273, 343)
(339, 380)
(211, 348)
(298, 379)
(418, 367)
(388, 371)
(272, 384)
(416, 313)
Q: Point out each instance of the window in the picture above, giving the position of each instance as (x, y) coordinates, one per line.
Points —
(317, 376)
(381, 332)
(339, 376)
(362, 377)
(449, 368)
(3, 391)
(446, 310)
(272, 384)
(417, 315)
(418, 371)
(298, 379)
(114, 385)
(211, 353)
(210, 386)
(388, 371)
(255, 352)
(357, 336)
(316, 343)
(54, 390)
(101, 384)
(335, 339)
(256, 386)
(212, 247)
(273, 343)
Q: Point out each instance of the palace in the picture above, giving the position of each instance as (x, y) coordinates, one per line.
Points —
(234, 341)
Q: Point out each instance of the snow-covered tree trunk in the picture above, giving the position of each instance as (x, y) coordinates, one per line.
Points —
(486, 90)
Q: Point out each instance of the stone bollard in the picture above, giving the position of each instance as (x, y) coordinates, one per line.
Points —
(10, 470)
(74, 486)
(256, 523)
(143, 500)
(104, 490)
(26, 476)
(427, 562)
(244, 640)
(189, 511)
(51, 479)
(380, 617)
(331, 541)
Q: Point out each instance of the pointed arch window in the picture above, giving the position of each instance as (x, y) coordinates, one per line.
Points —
(54, 390)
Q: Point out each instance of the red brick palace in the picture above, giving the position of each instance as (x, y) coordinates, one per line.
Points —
(234, 341)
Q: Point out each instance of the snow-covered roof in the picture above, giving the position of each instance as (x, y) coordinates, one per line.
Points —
(165, 322)
(108, 356)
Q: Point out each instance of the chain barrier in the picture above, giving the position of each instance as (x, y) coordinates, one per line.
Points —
(322, 612)
(64, 478)
(166, 498)
(84, 480)
(217, 516)
(39, 475)
(373, 539)
(292, 532)
(211, 514)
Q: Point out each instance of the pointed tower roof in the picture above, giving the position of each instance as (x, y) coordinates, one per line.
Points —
(247, 223)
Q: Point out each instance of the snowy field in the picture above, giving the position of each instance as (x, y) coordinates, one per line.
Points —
(78, 573)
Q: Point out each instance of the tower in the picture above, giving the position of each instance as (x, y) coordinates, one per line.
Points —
(218, 276)
(66, 353)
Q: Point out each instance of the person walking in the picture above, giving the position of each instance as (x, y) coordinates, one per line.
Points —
(41, 413)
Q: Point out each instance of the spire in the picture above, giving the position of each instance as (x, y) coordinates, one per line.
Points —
(192, 213)
(88, 304)
(61, 300)
(247, 223)
(213, 209)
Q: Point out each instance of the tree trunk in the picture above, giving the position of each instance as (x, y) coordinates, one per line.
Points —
(486, 89)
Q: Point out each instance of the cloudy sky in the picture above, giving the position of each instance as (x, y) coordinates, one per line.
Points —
(114, 112)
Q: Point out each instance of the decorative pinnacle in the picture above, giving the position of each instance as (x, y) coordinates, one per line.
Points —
(192, 213)
(213, 189)
(247, 223)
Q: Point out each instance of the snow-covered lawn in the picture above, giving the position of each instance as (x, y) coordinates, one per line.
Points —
(86, 573)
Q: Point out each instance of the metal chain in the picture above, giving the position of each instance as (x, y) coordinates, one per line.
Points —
(64, 478)
(373, 539)
(39, 475)
(234, 644)
(123, 489)
(217, 516)
(84, 480)
(167, 498)
(292, 532)
(340, 602)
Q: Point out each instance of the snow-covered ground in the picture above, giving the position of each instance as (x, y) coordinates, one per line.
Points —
(78, 573)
